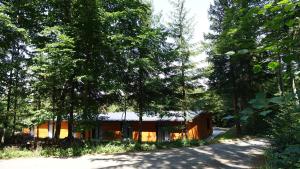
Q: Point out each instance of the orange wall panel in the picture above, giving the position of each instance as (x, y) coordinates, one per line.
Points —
(199, 127)
(175, 136)
(193, 133)
(42, 130)
(63, 133)
(26, 130)
(135, 135)
(148, 131)
(63, 130)
(117, 135)
(146, 136)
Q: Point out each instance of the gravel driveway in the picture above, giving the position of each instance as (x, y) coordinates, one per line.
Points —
(230, 154)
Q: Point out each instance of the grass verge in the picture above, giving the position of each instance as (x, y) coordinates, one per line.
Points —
(94, 148)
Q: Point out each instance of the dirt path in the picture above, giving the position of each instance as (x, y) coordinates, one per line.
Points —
(230, 154)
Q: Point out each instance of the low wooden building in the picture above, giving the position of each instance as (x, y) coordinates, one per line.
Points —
(118, 125)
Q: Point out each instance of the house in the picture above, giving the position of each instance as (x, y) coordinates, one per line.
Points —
(154, 128)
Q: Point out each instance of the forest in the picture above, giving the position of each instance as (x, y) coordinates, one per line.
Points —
(76, 59)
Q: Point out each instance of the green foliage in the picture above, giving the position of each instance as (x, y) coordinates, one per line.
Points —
(273, 66)
(269, 31)
(75, 60)
(182, 79)
(282, 115)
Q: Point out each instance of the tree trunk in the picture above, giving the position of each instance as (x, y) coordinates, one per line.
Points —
(235, 97)
(6, 118)
(292, 82)
(53, 110)
(141, 112)
(71, 114)
(37, 131)
(236, 112)
(279, 74)
(57, 126)
(124, 125)
(140, 103)
(15, 102)
(140, 127)
(184, 106)
(3, 135)
(185, 126)
(59, 115)
(15, 114)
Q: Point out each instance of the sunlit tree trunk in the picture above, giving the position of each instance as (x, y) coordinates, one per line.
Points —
(279, 75)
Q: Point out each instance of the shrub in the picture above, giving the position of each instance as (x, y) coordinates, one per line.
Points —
(283, 116)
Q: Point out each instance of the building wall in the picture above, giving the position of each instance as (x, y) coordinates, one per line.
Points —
(42, 130)
(111, 130)
(26, 130)
(199, 128)
(148, 131)
(63, 130)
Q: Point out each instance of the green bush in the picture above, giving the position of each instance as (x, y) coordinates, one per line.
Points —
(283, 117)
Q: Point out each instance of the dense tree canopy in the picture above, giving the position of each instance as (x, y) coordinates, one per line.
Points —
(76, 59)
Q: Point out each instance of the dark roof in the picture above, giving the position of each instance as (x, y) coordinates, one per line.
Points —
(133, 116)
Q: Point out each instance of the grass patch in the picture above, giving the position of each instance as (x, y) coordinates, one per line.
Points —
(15, 152)
(95, 148)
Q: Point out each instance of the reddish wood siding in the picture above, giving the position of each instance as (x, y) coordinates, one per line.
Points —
(199, 128)
(175, 136)
(146, 136)
(26, 130)
(63, 130)
(111, 130)
(77, 135)
(193, 131)
(41, 131)
(148, 131)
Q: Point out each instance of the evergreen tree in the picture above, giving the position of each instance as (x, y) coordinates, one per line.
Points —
(184, 78)
(13, 69)
(233, 52)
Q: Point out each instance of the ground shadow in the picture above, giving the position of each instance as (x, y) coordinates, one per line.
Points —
(213, 156)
